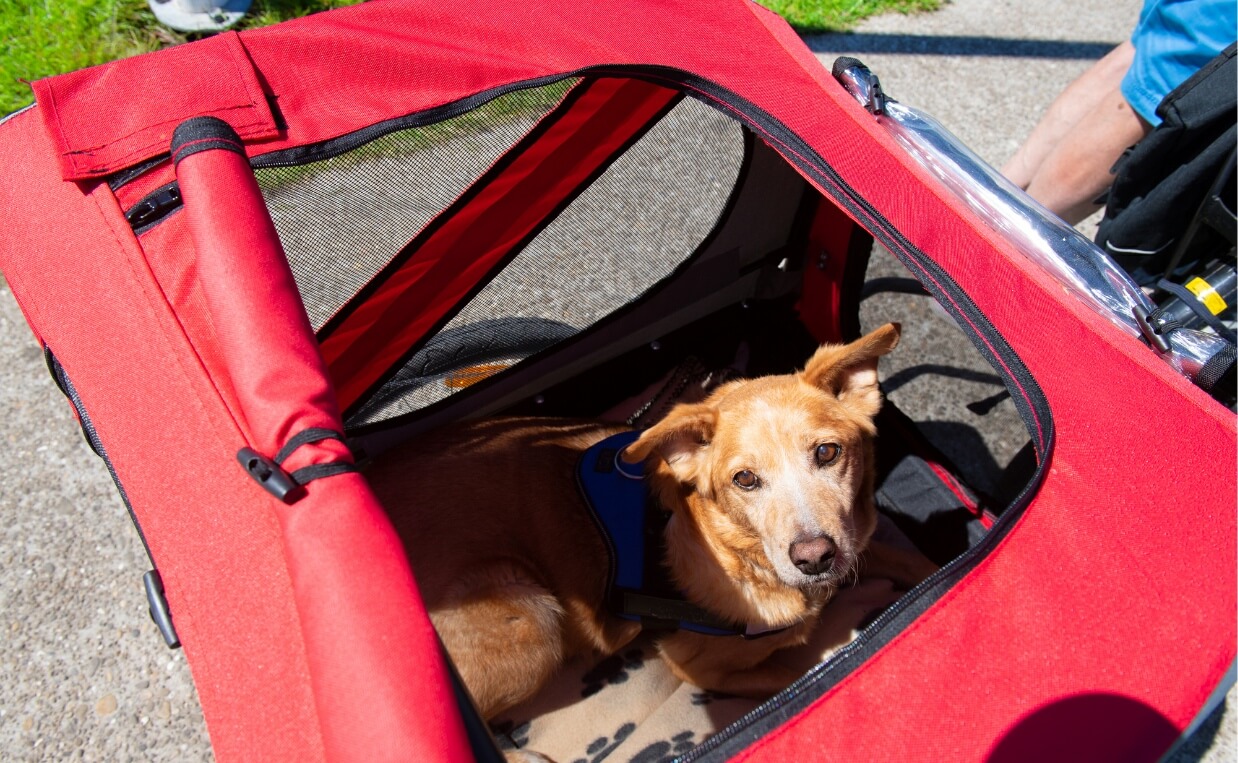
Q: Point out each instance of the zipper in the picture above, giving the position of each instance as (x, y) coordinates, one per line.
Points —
(842, 662)
(122, 177)
(330, 149)
(153, 207)
(163, 201)
(1031, 402)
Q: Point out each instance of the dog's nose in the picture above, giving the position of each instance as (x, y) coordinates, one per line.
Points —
(813, 555)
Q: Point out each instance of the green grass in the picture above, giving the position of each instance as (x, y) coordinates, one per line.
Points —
(39, 38)
(813, 16)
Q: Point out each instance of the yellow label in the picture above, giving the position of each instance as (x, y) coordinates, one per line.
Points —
(1204, 292)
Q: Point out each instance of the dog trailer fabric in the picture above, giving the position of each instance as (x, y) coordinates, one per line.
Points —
(149, 271)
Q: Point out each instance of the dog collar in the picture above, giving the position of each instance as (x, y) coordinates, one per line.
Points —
(632, 524)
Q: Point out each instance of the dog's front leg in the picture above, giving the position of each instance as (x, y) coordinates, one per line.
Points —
(730, 664)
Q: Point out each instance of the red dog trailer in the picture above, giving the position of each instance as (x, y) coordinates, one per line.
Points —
(258, 260)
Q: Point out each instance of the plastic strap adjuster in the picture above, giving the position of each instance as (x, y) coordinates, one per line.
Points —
(158, 607)
(270, 472)
(1154, 334)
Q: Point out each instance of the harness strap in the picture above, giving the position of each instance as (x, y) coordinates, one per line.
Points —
(1197, 307)
(666, 614)
(637, 584)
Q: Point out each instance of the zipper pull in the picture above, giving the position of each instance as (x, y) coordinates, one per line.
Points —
(154, 207)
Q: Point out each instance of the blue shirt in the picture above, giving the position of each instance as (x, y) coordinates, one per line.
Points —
(1173, 40)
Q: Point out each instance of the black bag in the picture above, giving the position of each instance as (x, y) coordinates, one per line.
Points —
(1171, 206)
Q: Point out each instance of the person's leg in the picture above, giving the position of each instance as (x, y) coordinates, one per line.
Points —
(1067, 109)
(1078, 169)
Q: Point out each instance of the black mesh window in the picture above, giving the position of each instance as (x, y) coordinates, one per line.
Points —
(342, 219)
(634, 225)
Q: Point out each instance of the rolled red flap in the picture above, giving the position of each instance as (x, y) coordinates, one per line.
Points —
(260, 323)
(380, 684)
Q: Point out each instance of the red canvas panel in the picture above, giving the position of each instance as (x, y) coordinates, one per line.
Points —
(1110, 605)
(80, 276)
(174, 268)
(219, 81)
(359, 611)
(1116, 591)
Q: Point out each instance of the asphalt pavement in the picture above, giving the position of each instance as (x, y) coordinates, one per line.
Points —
(84, 675)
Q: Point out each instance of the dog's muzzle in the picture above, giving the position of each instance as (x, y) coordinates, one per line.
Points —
(813, 555)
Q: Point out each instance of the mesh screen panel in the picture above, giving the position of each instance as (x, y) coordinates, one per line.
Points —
(342, 219)
(639, 221)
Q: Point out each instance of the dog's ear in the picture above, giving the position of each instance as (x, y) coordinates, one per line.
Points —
(677, 439)
(849, 371)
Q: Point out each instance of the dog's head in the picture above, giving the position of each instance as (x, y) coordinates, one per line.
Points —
(779, 466)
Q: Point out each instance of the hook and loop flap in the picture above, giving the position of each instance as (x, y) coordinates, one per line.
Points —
(213, 77)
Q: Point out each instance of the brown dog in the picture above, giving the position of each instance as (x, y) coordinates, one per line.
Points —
(769, 486)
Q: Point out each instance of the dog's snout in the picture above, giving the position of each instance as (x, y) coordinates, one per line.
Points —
(813, 555)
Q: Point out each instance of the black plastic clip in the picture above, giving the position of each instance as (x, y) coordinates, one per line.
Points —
(159, 612)
(863, 85)
(284, 485)
(269, 474)
(1152, 330)
(876, 96)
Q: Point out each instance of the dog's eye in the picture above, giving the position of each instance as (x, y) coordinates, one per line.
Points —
(827, 453)
(746, 479)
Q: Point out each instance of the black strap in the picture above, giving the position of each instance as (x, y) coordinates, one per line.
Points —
(270, 474)
(661, 613)
(1197, 307)
(204, 134)
(307, 474)
(305, 437)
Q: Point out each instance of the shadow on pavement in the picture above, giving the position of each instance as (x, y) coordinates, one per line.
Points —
(955, 45)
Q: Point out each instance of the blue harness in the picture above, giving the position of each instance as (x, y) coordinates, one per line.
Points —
(637, 585)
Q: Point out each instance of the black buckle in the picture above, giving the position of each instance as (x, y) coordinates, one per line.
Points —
(270, 472)
(270, 475)
(1151, 331)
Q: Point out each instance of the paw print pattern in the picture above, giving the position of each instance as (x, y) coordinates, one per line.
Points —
(601, 747)
(510, 735)
(700, 698)
(666, 751)
(615, 669)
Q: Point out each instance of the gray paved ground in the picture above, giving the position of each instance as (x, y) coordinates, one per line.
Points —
(83, 673)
